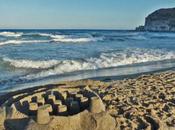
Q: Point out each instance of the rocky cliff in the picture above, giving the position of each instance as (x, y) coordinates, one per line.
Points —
(160, 20)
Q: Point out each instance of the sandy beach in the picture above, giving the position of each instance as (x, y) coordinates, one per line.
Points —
(145, 102)
(87, 65)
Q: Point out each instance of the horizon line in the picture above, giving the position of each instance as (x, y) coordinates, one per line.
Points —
(66, 29)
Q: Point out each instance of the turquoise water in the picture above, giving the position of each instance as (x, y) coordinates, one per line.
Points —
(35, 57)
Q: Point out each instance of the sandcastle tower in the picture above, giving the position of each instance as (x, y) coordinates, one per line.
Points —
(2, 116)
(62, 110)
(43, 116)
(96, 105)
(33, 107)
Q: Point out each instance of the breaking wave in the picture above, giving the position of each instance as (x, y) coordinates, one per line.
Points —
(30, 63)
(11, 34)
(75, 39)
(20, 38)
(22, 41)
(105, 60)
(67, 38)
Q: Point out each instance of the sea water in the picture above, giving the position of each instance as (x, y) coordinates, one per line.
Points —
(38, 57)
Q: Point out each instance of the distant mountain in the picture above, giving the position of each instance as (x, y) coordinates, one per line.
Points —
(160, 20)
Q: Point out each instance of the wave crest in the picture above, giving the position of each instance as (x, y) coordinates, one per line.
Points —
(68, 38)
(75, 39)
(11, 34)
(105, 60)
(20, 38)
(30, 63)
(22, 41)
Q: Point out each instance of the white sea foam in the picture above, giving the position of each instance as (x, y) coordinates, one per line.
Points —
(46, 41)
(53, 38)
(22, 41)
(52, 35)
(67, 38)
(11, 34)
(113, 59)
(75, 39)
(30, 63)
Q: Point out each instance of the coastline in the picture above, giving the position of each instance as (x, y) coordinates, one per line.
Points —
(144, 101)
(104, 75)
(130, 76)
(107, 80)
(77, 66)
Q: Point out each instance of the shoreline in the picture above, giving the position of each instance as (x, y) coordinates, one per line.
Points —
(97, 75)
(104, 80)
(130, 76)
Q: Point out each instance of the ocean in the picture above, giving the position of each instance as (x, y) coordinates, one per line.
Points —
(38, 57)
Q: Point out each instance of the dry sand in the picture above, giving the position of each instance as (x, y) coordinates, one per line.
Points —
(146, 102)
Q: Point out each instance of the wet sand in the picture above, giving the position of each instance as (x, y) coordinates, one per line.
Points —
(144, 102)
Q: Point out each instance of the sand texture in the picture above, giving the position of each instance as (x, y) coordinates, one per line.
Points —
(143, 103)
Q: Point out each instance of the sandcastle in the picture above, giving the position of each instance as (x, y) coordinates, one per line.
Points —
(55, 109)
(144, 103)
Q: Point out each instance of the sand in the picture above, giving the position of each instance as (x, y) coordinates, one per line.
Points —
(146, 102)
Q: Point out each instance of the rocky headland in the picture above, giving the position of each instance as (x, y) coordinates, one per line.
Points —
(162, 20)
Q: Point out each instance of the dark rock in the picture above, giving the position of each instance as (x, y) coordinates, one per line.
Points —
(140, 28)
(161, 20)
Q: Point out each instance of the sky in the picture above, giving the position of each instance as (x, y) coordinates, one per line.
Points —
(77, 14)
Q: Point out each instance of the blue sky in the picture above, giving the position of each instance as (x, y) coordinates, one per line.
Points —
(69, 14)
